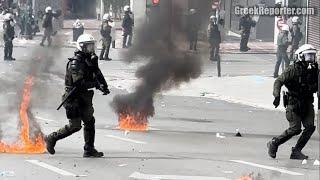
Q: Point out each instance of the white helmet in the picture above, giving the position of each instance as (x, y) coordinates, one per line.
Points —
(192, 11)
(285, 27)
(86, 43)
(8, 17)
(48, 9)
(126, 8)
(306, 52)
(295, 19)
(106, 17)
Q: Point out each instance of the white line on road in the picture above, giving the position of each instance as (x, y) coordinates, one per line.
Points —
(126, 139)
(44, 119)
(268, 167)
(137, 175)
(54, 169)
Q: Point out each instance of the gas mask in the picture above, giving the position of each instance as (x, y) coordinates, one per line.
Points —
(310, 59)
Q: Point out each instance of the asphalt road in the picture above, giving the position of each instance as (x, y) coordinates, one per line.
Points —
(182, 143)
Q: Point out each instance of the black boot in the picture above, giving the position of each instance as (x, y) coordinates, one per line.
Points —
(51, 143)
(297, 154)
(91, 152)
(272, 148)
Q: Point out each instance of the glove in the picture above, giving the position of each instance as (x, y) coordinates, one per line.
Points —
(94, 58)
(104, 89)
(276, 101)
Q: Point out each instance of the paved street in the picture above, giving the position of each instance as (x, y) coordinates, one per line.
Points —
(190, 137)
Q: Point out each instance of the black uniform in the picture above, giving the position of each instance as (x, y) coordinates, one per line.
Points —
(8, 36)
(82, 72)
(127, 26)
(214, 38)
(105, 32)
(245, 26)
(193, 29)
(296, 35)
(48, 28)
(283, 43)
(301, 80)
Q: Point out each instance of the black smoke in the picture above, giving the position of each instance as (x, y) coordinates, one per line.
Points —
(162, 41)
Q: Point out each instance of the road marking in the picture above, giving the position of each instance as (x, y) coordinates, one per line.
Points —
(126, 139)
(268, 167)
(44, 119)
(54, 169)
(137, 175)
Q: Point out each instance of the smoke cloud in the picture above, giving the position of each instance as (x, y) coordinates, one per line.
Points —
(161, 41)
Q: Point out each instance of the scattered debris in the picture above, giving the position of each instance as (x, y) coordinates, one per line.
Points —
(122, 165)
(208, 102)
(304, 161)
(74, 165)
(163, 105)
(238, 134)
(316, 162)
(218, 135)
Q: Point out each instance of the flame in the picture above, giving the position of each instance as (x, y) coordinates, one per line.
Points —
(133, 121)
(25, 144)
(245, 178)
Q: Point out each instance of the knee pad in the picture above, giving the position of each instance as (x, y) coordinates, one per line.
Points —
(73, 129)
(90, 124)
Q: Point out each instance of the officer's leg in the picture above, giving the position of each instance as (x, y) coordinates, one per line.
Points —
(278, 63)
(286, 59)
(44, 37)
(10, 51)
(217, 51)
(73, 126)
(130, 40)
(6, 50)
(108, 45)
(211, 52)
(89, 127)
(124, 41)
(242, 48)
(102, 50)
(49, 38)
(195, 41)
(309, 128)
(294, 129)
(246, 40)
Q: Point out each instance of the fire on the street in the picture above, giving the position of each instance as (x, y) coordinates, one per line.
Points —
(133, 122)
(25, 144)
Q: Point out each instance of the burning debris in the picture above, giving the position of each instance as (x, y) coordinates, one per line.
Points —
(25, 144)
(160, 41)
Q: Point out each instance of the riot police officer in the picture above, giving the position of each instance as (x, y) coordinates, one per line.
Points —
(283, 43)
(245, 27)
(8, 37)
(127, 26)
(82, 74)
(296, 36)
(301, 80)
(48, 26)
(214, 38)
(193, 28)
(105, 32)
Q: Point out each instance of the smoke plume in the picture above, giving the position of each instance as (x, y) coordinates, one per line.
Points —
(162, 41)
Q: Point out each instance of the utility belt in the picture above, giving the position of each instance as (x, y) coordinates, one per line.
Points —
(69, 88)
(297, 101)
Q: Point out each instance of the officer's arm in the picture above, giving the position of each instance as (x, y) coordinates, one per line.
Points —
(285, 77)
(77, 74)
(101, 78)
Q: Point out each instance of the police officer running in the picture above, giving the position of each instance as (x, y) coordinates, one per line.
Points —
(8, 37)
(105, 32)
(283, 43)
(301, 80)
(48, 26)
(214, 38)
(193, 28)
(82, 74)
(127, 26)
